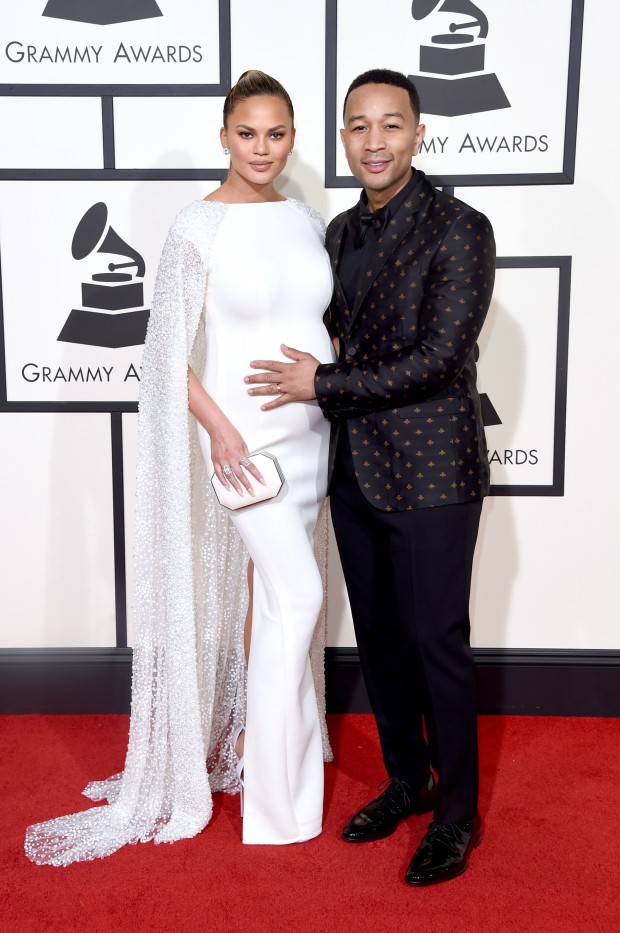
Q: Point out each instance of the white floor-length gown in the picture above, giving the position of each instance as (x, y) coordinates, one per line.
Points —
(258, 276)
(269, 283)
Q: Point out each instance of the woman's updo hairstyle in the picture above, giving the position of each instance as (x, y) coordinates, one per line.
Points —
(255, 84)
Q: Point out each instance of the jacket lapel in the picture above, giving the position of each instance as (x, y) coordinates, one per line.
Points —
(334, 255)
(402, 225)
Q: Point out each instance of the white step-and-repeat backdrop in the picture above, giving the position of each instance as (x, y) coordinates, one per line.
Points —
(109, 122)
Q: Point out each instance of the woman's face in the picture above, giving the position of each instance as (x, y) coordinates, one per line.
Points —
(260, 136)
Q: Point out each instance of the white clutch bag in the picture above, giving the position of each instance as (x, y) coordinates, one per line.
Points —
(268, 465)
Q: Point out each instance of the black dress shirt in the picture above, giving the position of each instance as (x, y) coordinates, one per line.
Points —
(354, 258)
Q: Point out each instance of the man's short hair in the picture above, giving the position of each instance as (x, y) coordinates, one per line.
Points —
(386, 76)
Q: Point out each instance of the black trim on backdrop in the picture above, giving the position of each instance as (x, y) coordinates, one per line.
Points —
(510, 682)
(572, 89)
(3, 387)
(55, 406)
(107, 132)
(537, 682)
(113, 174)
(141, 90)
(118, 518)
(332, 116)
(563, 264)
(65, 680)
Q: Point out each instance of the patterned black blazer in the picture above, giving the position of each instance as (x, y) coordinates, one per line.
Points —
(404, 386)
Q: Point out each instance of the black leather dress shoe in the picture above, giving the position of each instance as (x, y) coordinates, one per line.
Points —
(444, 852)
(380, 817)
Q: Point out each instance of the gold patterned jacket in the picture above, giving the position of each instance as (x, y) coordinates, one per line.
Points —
(404, 386)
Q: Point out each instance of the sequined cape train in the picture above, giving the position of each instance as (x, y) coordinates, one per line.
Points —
(190, 595)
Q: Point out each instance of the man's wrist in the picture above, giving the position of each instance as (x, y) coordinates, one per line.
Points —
(322, 385)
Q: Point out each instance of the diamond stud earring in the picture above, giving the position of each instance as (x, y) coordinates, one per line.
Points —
(226, 150)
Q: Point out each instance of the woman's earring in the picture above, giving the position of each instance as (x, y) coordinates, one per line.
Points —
(226, 150)
(291, 152)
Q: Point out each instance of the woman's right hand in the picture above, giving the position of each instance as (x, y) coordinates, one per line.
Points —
(229, 454)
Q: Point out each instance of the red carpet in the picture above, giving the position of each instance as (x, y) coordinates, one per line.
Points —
(549, 860)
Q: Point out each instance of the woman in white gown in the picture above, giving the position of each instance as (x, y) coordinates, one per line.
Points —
(246, 269)
(269, 283)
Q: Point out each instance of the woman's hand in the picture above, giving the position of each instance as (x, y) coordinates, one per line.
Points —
(229, 454)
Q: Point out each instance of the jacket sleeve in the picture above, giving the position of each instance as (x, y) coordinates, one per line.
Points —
(457, 295)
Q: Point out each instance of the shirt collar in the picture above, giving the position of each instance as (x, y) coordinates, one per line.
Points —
(395, 203)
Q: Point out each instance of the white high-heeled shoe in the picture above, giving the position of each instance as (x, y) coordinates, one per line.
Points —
(240, 763)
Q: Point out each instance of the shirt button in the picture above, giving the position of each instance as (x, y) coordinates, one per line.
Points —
(352, 351)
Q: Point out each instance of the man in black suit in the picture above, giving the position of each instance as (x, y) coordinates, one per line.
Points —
(414, 271)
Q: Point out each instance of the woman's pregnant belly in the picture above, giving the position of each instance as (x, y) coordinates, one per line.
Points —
(227, 363)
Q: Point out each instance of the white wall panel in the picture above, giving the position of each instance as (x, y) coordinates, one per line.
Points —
(296, 57)
(521, 131)
(168, 132)
(48, 132)
(56, 547)
(38, 223)
(544, 575)
(109, 44)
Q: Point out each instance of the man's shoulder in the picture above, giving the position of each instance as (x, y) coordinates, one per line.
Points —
(338, 222)
(459, 212)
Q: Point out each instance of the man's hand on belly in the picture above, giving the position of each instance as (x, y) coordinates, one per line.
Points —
(291, 382)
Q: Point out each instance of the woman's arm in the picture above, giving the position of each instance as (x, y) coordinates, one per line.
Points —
(227, 446)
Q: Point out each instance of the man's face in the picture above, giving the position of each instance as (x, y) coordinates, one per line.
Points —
(381, 134)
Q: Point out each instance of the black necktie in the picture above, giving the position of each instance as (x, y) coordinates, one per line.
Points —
(359, 222)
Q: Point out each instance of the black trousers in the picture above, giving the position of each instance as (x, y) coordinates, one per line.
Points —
(408, 576)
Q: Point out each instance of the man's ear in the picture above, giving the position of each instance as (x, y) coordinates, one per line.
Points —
(419, 136)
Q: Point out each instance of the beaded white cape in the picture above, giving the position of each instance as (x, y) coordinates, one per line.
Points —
(190, 595)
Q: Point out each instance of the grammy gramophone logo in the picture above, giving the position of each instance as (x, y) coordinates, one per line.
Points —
(112, 313)
(453, 82)
(102, 12)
